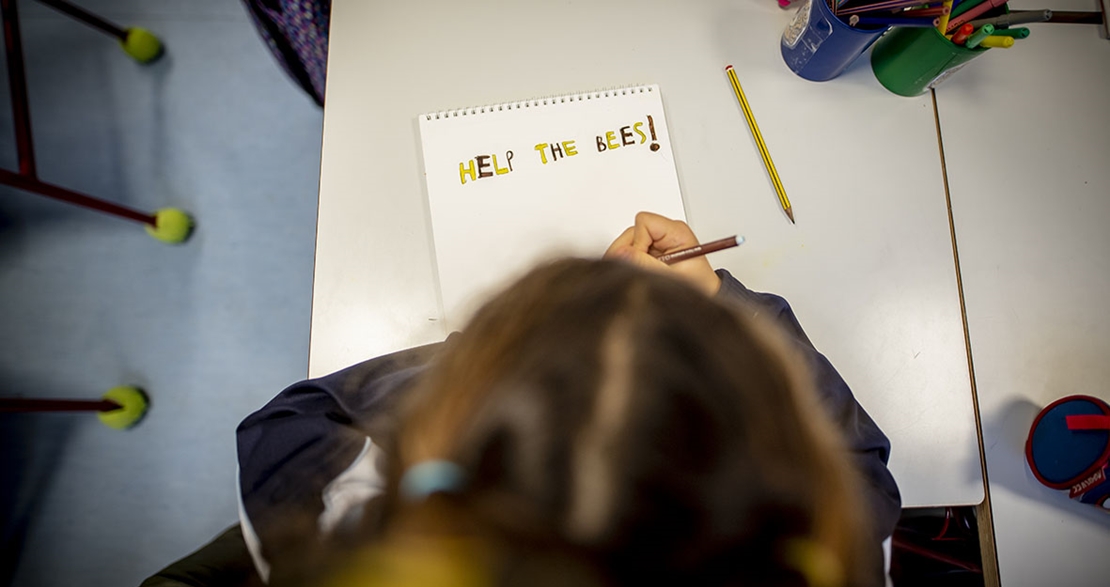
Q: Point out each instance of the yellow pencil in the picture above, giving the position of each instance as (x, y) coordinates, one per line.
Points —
(775, 181)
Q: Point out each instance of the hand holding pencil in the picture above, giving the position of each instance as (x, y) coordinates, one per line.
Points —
(652, 237)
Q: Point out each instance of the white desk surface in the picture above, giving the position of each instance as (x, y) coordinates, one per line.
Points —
(868, 268)
(1027, 140)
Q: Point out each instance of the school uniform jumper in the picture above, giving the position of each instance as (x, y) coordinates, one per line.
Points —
(310, 450)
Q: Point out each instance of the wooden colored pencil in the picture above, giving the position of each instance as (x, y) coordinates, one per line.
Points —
(702, 249)
(879, 6)
(1015, 17)
(924, 12)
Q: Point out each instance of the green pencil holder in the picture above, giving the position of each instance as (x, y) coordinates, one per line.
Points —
(908, 61)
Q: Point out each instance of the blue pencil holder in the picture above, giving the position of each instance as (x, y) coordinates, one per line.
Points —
(818, 46)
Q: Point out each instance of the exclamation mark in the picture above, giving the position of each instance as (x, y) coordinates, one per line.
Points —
(651, 128)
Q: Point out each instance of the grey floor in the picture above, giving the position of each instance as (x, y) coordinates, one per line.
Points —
(211, 329)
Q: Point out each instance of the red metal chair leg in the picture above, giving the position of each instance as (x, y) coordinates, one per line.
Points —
(121, 408)
(94, 21)
(21, 115)
(20, 405)
(34, 185)
(27, 177)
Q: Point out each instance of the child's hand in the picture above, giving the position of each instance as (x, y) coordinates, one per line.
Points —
(654, 235)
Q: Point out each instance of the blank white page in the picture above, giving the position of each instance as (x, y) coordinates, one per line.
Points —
(498, 209)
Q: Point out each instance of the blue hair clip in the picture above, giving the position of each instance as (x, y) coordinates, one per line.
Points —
(424, 479)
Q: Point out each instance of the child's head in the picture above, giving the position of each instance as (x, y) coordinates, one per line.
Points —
(617, 424)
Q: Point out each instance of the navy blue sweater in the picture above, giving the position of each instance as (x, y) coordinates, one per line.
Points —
(292, 448)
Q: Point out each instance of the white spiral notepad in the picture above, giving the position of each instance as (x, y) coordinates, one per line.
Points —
(511, 185)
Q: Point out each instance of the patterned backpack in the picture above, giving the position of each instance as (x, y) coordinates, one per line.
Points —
(297, 33)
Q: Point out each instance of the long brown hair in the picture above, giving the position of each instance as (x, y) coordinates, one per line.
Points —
(626, 426)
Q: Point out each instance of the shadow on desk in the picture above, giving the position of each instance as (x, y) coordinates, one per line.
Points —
(31, 446)
(1006, 466)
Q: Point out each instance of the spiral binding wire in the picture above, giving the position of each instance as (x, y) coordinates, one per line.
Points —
(539, 102)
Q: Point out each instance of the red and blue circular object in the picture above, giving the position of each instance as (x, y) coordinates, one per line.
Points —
(1069, 448)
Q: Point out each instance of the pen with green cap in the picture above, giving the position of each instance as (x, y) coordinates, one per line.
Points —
(978, 36)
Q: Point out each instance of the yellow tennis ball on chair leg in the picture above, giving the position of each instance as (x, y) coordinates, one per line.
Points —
(142, 45)
(171, 226)
(133, 404)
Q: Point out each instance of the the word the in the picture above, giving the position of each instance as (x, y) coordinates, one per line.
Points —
(557, 150)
